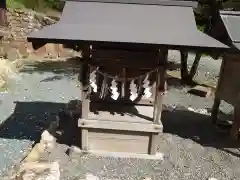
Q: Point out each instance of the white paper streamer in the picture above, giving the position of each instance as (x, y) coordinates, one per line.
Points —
(133, 91)
(93, 81)
(147, 90)
(114, 90)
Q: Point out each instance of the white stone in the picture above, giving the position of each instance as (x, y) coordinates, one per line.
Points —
(147, 90)
(41, 171)
(93, 81)
(91, 177)
(47, 140)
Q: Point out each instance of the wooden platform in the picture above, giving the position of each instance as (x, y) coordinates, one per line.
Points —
(128, 130)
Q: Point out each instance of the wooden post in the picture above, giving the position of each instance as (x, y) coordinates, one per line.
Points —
(84, 80)
(3, 16)
(184, 66)
(236, 123)
(194, 66)
(217, 100)
(160, 88)
(215, 110)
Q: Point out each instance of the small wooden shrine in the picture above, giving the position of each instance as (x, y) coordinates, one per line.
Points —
(228, 88)
(123, 78)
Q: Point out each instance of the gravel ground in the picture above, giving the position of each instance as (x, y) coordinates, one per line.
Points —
(193, 149)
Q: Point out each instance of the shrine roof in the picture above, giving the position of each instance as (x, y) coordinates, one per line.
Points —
(231, 20)
(172, 26)
(185, 3)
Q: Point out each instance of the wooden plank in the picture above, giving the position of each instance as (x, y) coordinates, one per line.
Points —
(141, 114)
(123, 54)
(107, 100)
(85, 139)
(118, 125)
(114, 60)
(118, 141)
(157, 156)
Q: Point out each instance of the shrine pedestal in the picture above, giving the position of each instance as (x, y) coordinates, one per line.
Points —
(116, 132)
(122, 125)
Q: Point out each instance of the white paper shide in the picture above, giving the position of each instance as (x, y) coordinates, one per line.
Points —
(93, 82)
(147, 88)
(133, 91)
(114, 90)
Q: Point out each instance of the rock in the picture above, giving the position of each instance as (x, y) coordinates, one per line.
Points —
(48, 140)
(91, 177)
(47, 143)
(147, 178)
(51, 51)
(39, 171)
(2, 84)
(35, 153)
(41, 52)
(13, 54)
(3, 53)
(21, 23)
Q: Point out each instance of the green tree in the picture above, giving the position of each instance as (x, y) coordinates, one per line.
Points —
(42, 5)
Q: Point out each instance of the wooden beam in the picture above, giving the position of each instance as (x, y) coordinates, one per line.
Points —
(119, 125)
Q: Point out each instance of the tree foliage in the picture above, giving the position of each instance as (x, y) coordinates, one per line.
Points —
(37, 5)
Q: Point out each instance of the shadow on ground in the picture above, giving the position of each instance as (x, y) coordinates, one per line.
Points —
(31, 118)
(197, 127)
(57, 67)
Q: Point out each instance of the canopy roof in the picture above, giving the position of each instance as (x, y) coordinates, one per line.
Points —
(96, 22)
(231, 20)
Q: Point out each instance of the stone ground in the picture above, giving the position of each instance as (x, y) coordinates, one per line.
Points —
(193, 148)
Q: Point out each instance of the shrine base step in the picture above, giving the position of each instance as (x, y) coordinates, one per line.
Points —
(105, 140)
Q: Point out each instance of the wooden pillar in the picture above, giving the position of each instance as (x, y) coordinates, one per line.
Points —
(84, 81)
(160, 88)
(215, 110)
(236, 123)
(194, 66)
(184, 66)
(3, 16)
(217, 99)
